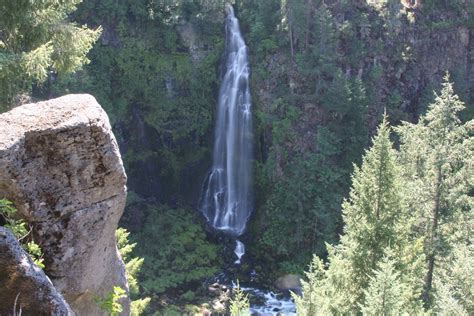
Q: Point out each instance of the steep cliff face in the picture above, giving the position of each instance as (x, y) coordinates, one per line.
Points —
(60, 165)
(323, 72)
(399, 52)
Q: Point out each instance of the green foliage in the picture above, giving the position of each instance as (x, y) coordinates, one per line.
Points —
(138, 306)
(437, 155)
(311, 300)
(17, 226)
(37, 39)
(132, 268)
(239, 304)
(454, 282)
(123, 245)
(110, 303)
(373, 224)
(306, 157)
(132, 265)
(317, 61)
(171, 310)
(19, 229)
(159, 95)
(372, 213)
(259, 19)
(384, 293)
(36, 253)
(300, 193)
(299, 170)
(347, 103)
(177, 255)
(396, 217)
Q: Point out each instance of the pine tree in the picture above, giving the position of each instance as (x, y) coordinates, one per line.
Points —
(312, 299)
(437, 154)
(318, 60)
(454, 282)
(372, 218)
(401, 223)
(132, 268)
(446, 304)
(383, 296)
(35, 39)
(372, 213)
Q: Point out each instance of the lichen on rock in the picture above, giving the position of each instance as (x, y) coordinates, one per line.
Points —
(60, 165)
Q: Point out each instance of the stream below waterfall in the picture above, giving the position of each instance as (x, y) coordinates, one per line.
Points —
(263, 302)
(269, 303)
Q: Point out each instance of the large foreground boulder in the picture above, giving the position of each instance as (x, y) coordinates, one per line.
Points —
(30, 291)
(60, 165)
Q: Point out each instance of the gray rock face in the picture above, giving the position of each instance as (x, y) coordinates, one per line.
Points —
(60, 165)
(25, 287)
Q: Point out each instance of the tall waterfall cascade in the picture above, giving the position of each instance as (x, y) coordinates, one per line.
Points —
(226, 199)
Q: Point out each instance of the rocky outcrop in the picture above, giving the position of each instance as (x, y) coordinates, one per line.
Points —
(25, 287)
(220, 299)
(289, 282)
(60, 165)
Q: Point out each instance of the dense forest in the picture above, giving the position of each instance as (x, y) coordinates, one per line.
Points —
(363, 124)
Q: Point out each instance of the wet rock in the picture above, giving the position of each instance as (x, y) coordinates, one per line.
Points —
(204, 311)
(218, 307)
(221, 295)
(289, 282)
(214, 289)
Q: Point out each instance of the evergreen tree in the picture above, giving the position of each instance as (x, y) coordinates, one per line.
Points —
(132, 268)
(437, 156)
(372, 218)
(371, 215)
(383, 296)
(317, 61)
(35, 39)
(312, 299)
(455, 283)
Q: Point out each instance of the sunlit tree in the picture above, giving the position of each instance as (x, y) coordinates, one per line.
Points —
(437, 155)
(37, 39)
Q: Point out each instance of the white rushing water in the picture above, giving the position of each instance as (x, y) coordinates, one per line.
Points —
(272, 305)
(239, 251)
(226, 199)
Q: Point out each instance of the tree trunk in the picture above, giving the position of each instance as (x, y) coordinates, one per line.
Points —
(470, 65)
(290, 30)
(433, 235)
(291, 41)
(308, 17)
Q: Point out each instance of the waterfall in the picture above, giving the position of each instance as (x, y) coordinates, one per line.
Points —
(239, 251)
(226, 199)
